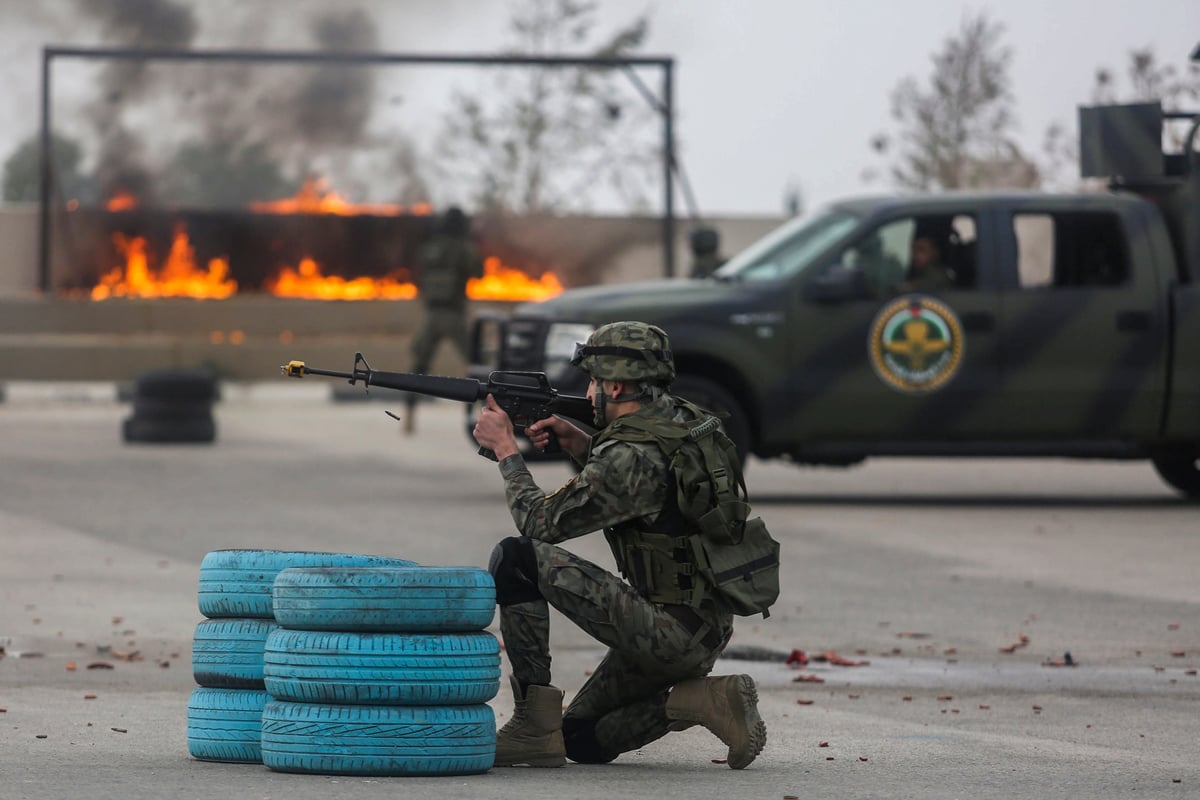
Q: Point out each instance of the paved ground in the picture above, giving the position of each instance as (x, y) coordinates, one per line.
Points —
(926, 569)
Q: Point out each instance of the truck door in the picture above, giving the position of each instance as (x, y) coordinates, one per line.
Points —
(907, 355)
(1082, 330)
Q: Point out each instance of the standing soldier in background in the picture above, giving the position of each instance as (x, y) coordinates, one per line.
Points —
(705, 243)
(444, 265)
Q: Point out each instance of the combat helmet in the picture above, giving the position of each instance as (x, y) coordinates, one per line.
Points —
(704, 241)
(627, 351)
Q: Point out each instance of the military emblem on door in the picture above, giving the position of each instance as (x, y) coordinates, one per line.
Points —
(916, 344)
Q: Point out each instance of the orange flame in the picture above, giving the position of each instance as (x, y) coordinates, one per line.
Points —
(179, 276)
(315, 197)
(498, 283)
(505, 283)
(306, 281)
(121, 201)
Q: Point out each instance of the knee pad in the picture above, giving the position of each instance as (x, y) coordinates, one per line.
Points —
(579, 738)
(514, 568)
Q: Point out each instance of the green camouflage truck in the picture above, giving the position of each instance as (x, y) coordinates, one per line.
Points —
(1034, 324)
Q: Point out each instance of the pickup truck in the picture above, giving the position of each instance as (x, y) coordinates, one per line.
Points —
(1064, 325)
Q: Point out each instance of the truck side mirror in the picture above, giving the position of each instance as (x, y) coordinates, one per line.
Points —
(837, 284)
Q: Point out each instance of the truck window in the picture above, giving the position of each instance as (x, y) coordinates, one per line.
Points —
(925, 253)
(790, 249)
(1070, 249)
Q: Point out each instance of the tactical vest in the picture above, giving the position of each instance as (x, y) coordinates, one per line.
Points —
(703, 547)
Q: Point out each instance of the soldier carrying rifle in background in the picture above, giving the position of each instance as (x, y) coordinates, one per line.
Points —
(444, 265)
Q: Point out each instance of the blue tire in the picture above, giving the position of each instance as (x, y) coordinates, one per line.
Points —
(389, 599)
(378, 740)
(237, 583)
(226, 725)
(399, 669)
(228, 653)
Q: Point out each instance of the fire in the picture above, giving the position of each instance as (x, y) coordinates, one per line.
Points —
(178, 277)
(306, 281)
(498, 283)
(121, 201)
(315, 197)
(505, 283)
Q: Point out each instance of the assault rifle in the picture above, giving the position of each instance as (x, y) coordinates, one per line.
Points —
(525, 396)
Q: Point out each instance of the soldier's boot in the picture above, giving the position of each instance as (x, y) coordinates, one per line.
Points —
(727, 706)
(533, 736)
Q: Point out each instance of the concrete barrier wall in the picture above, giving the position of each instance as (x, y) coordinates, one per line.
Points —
(247, 337)
(18, 250)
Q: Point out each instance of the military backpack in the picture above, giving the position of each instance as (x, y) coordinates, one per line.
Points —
(732, 551)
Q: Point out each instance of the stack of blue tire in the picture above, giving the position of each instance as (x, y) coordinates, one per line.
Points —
(224, 721)
(382, 671)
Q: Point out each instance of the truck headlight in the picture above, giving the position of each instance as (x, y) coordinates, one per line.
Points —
(561, 339)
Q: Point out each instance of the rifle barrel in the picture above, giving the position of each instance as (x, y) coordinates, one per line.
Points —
(327, 372)
(466, 390)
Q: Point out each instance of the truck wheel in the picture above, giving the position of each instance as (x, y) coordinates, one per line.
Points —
(1180, 467)
(707, 394)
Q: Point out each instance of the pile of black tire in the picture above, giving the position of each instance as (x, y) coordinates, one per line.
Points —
(173, 406)
(344, 664)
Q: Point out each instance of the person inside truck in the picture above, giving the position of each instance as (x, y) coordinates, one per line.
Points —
(927, 268)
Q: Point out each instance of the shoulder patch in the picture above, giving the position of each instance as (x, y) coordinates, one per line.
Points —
(605, 445)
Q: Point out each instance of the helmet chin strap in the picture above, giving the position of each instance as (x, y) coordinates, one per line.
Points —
(601, 400)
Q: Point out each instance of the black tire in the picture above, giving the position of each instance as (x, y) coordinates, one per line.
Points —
(378, 740)
(226, 725)
(193, 430)
(237, 583)
(392, 669)
(177, 384)
(228, 653)
(1180, 467)
(711, 396)
(390, 599)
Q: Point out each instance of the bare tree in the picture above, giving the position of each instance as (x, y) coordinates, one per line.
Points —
(552, 138)
(1146, 80)
(956, 131)
(1150, 80)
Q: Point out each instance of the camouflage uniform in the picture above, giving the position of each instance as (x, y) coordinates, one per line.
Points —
(445, 264)
(622, 706)
(936, 278)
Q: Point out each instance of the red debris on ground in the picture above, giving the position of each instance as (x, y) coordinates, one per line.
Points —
(831, 657)
(807, 678)
(1012, 648)
(797, 658)
(1065, 661)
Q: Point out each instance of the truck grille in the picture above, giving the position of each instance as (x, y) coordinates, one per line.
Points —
(524, 341)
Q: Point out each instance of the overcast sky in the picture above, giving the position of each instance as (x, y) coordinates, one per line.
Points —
(768, 92)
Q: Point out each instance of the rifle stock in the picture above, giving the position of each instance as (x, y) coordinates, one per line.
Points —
(525, 396)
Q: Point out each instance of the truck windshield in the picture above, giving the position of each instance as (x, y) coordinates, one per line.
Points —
(789, 249)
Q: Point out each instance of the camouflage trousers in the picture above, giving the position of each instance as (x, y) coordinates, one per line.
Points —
(438, 324)
(622, 706)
